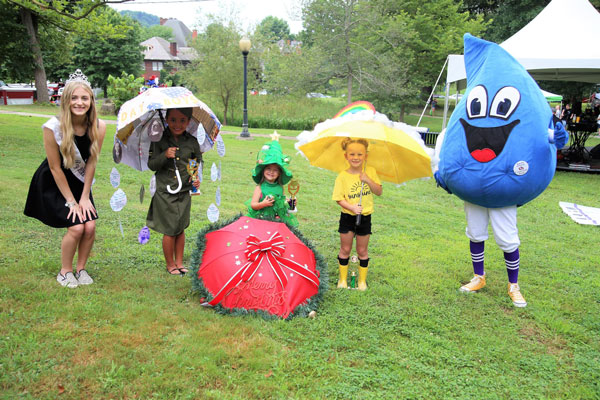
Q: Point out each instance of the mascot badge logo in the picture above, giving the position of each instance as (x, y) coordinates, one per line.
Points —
(498, 149)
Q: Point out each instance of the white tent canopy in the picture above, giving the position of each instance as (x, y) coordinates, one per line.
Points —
(559, 44)
(551, 96)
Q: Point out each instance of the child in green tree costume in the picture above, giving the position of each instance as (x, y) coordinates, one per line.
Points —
(271, 173)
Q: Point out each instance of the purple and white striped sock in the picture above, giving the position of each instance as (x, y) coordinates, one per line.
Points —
(512, 260)
(477, 255)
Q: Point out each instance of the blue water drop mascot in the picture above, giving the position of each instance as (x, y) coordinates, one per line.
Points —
(498, 153)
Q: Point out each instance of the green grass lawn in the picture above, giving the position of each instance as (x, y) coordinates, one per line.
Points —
(140, 333)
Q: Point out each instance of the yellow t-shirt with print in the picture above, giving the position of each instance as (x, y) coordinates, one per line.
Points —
(347, 187)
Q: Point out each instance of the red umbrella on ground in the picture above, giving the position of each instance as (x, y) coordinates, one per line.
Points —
(254, 264)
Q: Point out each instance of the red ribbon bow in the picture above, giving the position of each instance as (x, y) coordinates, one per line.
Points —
(272, 250)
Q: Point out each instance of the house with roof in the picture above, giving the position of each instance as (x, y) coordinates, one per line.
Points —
(158, 51)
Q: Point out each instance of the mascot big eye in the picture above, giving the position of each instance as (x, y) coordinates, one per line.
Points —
(500, 145)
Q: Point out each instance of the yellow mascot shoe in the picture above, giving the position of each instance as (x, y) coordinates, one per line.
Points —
(515, 295)
(477, 283)
(343, 280)
(362, 278)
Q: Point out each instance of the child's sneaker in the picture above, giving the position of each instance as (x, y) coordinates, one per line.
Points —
(515, 295)
(67, 280)
(478, 282)
(83, 278)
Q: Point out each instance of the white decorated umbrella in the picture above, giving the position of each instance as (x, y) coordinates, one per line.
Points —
(141, 121)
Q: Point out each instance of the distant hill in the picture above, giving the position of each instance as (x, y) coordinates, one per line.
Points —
(143, 18)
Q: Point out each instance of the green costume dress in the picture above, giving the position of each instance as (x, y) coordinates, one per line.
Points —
(169, 214)
(280, 207)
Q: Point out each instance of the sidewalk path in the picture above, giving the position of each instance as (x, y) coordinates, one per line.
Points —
(112, 122)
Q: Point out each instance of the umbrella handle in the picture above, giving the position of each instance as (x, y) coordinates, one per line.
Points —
(179, 183)
(358, 216)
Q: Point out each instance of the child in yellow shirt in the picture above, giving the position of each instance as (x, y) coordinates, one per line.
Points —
(347, 193)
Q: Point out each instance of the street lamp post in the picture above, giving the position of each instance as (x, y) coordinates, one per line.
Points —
(245, 48)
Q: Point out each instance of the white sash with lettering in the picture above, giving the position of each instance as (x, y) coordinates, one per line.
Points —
(78, 168)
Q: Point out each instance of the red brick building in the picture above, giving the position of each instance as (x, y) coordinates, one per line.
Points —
(159, 51)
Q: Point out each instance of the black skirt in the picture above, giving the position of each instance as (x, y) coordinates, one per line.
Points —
(45, 201)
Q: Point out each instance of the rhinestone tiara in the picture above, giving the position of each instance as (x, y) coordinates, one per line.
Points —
(78, 76)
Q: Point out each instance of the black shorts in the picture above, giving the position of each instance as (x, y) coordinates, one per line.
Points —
(348, 224)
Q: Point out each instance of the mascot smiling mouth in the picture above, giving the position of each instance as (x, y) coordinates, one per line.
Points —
(485, 144)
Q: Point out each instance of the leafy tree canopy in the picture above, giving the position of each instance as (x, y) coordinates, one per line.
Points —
(162, 31)
(100, 57)
(385, 50)
(273, 29)
(217, 73)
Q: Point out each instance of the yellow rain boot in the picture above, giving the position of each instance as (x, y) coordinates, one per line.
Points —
(343, 281)
(362, 278)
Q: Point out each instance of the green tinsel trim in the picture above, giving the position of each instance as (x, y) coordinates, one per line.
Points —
(301, 310)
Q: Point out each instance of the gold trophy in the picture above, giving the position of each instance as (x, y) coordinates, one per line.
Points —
(293, 189)
(192, 169)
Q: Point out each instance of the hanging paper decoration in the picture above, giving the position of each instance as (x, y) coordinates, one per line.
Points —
(152, 185)
(218, 196)
(214, 172)
(144, 235)
(155, 130)
(117, 151)
(118, 200)
(212, 213)
(220, 146)
(115, 178)
(219, 169)
(200, 134)
(142, 192)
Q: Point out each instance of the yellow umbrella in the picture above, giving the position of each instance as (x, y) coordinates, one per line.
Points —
(396, 151)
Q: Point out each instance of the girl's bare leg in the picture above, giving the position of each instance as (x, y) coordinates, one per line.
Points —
(169, 251)
(85, 244)
(179, 246)
(68, 247)
(362, 246)
(346, 244)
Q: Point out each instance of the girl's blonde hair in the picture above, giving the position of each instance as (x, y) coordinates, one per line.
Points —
(67, 146)
(347, 141)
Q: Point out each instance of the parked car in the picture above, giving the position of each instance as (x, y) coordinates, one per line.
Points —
(53, 88)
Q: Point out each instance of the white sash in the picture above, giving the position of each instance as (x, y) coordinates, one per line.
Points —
(78, 168)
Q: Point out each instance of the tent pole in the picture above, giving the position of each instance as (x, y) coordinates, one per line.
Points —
(432, 90)
(446, 105)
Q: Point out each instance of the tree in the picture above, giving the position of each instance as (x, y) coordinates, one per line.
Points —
(437, 30)
(165, 32)
(333, 26)
(298, 71)
(16, 62)
(386, 50)
(273, 29)
(100, 57)
(69, 15)
(218, 70)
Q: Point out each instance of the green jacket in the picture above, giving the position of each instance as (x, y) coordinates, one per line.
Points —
(188, 148)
